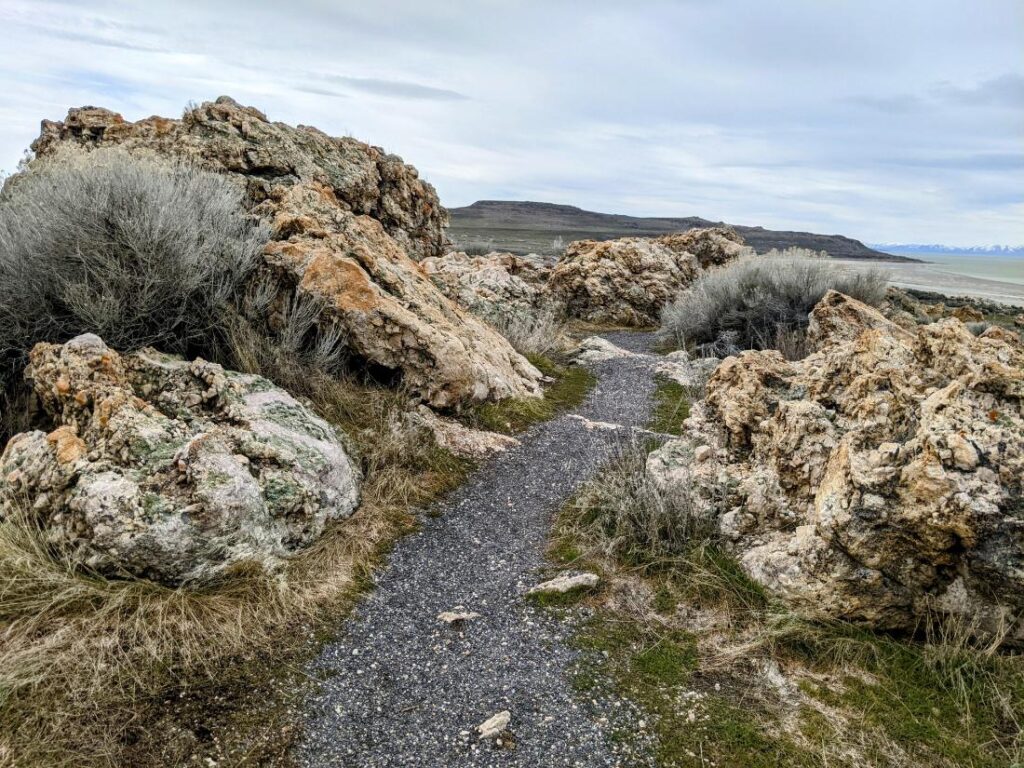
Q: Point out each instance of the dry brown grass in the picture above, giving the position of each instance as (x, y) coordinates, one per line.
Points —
(543, 332)
(89, 666)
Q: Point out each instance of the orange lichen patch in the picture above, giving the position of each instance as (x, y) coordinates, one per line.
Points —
(287, 225)
(287, 254)
(63, 385)
(162, 126)
(340, 280)
(67, 445)
(325, 193)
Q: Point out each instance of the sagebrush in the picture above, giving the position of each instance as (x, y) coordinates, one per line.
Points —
(624, 514)
(139, 250)
(762, 302)
(532, 333)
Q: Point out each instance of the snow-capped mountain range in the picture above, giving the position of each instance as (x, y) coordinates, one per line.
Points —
(989, 250)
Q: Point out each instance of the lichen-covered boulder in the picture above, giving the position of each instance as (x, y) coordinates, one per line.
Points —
(877, 479)
(496, 285)
(349, 223)
(628, 281)
(171, 470)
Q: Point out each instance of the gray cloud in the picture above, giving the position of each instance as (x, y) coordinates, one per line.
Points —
(102, 41)
(1006, 90)
(901, 104)
(986, 161)
(395, 88)
(320, 91)
(841, 117)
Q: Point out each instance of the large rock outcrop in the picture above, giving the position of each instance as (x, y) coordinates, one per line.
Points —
(628, 281)
(877, 479)
(171, 470)
(496, 285)
(349, 223)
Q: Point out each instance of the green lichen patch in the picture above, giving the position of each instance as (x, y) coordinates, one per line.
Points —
(296, 418)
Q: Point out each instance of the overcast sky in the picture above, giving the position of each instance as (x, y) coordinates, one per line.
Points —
(886, 120)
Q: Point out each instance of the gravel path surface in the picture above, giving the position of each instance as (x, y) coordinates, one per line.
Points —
(404, 689)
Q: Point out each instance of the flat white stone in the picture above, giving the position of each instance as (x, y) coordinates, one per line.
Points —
(494, 725)
(566, 583)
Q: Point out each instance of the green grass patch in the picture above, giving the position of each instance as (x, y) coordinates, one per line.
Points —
(671, 407)
(560, 599)
(663, 658)
(942, 702)
(571, 385)
(656, 668)
(710, 576)
(564, 551)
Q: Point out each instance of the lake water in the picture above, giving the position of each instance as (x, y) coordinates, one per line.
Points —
(999, 278)
(1006, 269)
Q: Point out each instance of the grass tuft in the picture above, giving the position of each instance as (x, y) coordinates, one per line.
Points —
(671, 407)
(570, 388)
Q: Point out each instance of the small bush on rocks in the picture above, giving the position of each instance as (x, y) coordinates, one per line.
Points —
(624, 515)
(535, 333)
(140, 251)
(762, 302)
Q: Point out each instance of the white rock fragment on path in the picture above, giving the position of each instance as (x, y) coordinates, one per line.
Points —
(566, 583)
(458, 438)
(457, 616)
(494, 725)
(592, 425)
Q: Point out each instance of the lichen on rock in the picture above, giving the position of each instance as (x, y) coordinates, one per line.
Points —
(171, 470)
(495, 285)
(877, 479)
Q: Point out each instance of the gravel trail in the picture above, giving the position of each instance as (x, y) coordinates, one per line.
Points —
(403, 689)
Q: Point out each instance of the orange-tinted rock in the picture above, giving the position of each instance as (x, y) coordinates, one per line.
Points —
(349, 223)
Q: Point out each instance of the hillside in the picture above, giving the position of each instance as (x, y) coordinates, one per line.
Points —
(526, 226)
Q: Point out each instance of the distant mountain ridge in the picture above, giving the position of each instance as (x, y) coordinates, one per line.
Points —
(993, 250)
(526, 225)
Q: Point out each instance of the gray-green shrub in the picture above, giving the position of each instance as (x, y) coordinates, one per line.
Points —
(531, 333)
(762, 302)
(140, 250)
(629, 517)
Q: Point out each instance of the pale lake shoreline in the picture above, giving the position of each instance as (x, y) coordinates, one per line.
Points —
(941, 278)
